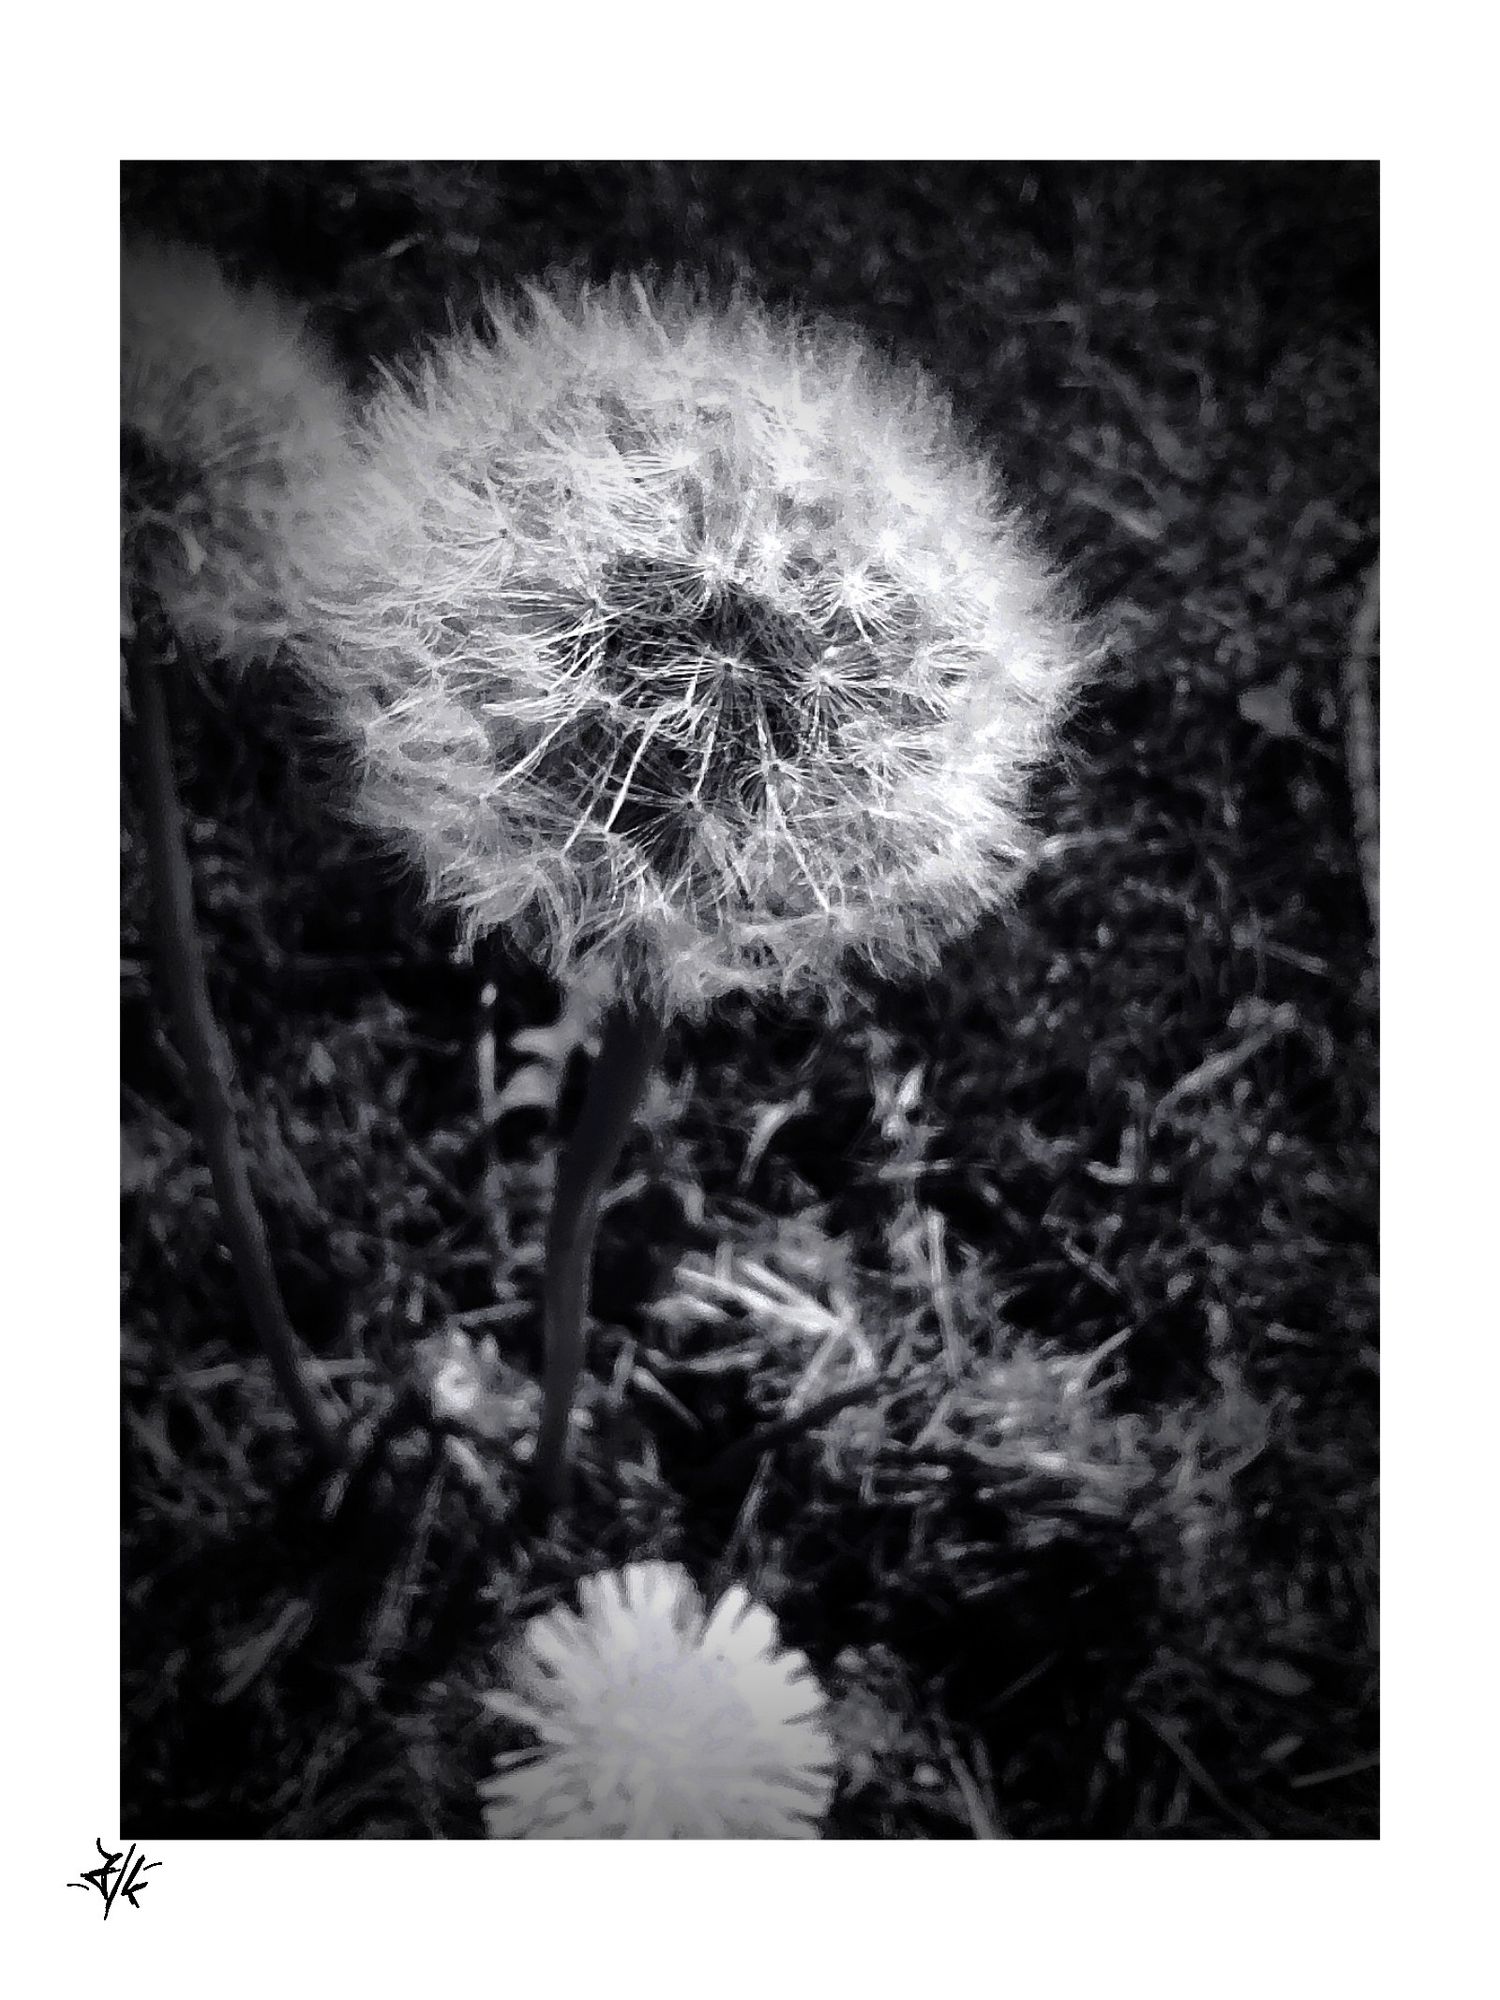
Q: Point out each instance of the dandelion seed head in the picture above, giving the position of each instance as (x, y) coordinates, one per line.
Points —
(667, 632)
(658, 1721)
(228, 409)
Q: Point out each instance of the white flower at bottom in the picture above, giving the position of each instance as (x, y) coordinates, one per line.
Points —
(660, 1723)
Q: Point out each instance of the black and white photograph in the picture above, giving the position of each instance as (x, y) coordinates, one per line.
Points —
(749, 1001)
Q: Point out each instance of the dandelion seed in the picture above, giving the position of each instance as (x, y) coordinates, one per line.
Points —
(657, 1721)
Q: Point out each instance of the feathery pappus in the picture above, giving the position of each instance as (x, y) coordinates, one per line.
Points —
(228, 408)
(689, 638)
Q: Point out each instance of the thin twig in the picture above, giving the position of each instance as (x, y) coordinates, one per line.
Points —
(1167, 1735)
(632, 1043)
(1353, 1769)
(206, 1055)
(1360, 739)
(749, 1450)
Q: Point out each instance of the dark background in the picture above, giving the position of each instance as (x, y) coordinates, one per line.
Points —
(1137, 1602)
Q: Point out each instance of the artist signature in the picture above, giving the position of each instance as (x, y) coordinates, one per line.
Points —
(118, 1875)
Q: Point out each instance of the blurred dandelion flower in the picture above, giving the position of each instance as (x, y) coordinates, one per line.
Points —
(689, 639)
(227, 409)
(658, 1723)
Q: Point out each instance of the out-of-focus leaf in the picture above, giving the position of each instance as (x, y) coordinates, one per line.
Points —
(1270, 707)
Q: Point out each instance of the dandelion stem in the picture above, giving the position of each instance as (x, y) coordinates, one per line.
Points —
(633, 1036)
(209, 1064)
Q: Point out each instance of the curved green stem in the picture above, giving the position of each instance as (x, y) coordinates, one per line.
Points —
(632, 1043)
(209, 1064)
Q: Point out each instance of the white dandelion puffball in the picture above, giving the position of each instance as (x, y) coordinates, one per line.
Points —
(658, 1723)
(690, 638)
(228, 408)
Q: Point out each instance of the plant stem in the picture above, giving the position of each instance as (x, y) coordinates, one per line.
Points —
(633, 1038)
(487, 957)
(206, 1053)
(1361, 737)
